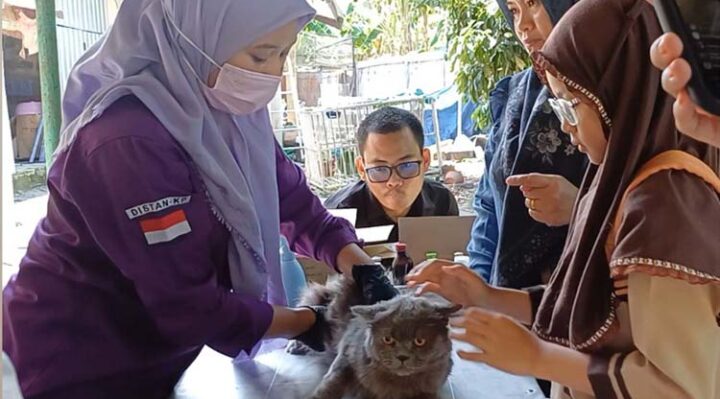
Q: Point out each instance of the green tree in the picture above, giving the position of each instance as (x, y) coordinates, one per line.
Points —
(482, 50)
(394, 27)
(319, 28)
(363, 31)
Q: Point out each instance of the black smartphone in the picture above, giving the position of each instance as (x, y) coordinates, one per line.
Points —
(697, 22)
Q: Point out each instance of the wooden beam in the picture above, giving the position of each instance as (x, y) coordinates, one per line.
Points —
(334, 9)
(335, 23)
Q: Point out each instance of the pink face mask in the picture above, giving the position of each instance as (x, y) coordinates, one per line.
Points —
(241, 92)
(237, 91)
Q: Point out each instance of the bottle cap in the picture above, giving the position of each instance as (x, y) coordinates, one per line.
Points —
(400, 247)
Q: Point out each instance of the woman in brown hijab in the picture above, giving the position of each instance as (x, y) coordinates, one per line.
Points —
(633, 308)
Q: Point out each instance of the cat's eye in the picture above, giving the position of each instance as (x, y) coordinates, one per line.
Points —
(388, 340)
(419, 342)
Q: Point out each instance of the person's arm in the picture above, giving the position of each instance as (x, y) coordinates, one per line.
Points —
(166, 254)
(462, 286)
(674, 328)
(501, 342)
(513, 303)
(564, 366)
(485, 231)
(310, 229)
(289, 323)
(676, 333)
(484, 235)
(350, 256)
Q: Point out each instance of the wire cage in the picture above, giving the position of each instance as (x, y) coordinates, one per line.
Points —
(328, 136)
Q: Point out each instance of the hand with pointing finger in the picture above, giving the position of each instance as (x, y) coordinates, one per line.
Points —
(549, 198)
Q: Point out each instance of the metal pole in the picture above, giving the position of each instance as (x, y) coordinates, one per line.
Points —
(49, 75)
(459, 116)
(354, 88)
(436, 128)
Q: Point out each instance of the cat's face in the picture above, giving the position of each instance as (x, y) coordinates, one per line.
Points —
(407, 335)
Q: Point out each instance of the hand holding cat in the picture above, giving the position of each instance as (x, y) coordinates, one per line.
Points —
(456, 283)
(314, 337)
(373, 283)
(502, 342)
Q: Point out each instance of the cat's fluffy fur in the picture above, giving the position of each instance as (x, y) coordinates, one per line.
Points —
(397, 349)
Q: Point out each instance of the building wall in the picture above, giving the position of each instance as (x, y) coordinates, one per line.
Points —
(80, 23)
(392, 76)
(20, 58)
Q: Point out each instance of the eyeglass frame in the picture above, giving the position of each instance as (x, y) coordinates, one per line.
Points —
(393, 169)
(561, 106)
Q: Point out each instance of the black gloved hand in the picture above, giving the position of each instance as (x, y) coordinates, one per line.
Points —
(315, 336)
(373, 283)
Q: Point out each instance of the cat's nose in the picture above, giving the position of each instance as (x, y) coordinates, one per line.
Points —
(403, 358)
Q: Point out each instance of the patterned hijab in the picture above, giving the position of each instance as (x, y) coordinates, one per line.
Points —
(613, 71)
(529, 140)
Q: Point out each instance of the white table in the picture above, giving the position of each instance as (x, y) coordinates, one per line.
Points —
(278, 375)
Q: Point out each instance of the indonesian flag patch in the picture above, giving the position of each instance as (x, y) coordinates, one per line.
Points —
(165, 228)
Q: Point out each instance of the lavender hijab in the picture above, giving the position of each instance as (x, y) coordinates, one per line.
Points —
(144, 55)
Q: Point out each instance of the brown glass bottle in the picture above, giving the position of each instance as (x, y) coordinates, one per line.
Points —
(401, 265)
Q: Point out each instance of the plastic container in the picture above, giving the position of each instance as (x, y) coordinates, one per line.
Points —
(293, 275)
(461, 258)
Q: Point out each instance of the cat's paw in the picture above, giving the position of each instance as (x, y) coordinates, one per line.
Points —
(295, 347)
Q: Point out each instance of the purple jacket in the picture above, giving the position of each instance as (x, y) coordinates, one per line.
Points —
(127, 277)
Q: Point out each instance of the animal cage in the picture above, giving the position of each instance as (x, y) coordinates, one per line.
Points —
(328, 137)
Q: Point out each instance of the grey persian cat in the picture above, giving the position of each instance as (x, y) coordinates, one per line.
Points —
(396, 349)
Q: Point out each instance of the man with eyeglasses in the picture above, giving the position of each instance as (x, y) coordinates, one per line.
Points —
(392, 165)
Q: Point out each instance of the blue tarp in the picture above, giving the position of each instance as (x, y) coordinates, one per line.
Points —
(447, 118)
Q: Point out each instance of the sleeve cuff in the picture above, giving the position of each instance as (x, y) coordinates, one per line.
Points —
(253, 321)
(602, 370)
(335, 242)
(536, 294)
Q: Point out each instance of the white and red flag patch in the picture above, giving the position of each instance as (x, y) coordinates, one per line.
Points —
(165, 228)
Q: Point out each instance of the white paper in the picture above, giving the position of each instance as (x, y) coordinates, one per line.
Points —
(374, 234)
(348, 214)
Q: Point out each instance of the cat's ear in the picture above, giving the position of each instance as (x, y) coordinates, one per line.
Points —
(447, 310)
(366, 312)
(371, 313)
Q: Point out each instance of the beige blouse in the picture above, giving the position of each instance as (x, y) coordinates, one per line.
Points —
(668, 347)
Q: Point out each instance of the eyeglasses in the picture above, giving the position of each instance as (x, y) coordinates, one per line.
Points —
(565, 109)
(405, 170)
